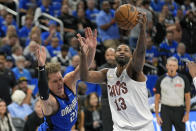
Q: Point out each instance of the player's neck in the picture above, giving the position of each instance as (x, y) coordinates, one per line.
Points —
(120, 70)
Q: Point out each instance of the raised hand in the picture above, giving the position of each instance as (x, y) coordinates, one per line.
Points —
(40, 53)
(141, 18)
(91, 38)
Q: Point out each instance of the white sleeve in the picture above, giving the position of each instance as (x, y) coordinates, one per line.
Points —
(194, 81)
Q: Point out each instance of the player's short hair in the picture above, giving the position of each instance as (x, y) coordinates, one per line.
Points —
(172, 59)
(125, 45)
(53, 68)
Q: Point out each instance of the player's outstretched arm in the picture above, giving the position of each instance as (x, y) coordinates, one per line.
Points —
(192, 71)
(49, 103)
(138, 59)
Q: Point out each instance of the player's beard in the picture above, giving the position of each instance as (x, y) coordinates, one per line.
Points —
(122, 61)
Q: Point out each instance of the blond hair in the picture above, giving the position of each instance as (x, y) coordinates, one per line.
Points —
(53, 68)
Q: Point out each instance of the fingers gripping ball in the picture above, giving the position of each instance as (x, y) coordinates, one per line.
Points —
(126, 16)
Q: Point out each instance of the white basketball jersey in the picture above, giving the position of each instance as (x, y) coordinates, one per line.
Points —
(128, 101)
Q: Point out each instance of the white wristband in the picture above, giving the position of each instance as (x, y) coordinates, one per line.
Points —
(194, 81)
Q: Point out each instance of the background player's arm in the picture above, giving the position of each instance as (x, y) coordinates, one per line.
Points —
(192, 71)
(138, 60)
(88, 44)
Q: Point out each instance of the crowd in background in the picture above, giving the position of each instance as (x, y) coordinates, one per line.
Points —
(171, 26)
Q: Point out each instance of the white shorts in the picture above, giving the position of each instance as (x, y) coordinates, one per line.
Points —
(149, 127)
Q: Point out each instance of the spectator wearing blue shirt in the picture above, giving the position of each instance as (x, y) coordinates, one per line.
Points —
(20, 71)
(56, 5)
(151, 52)
(17, 109)
(74, 47)
(157, 5)
(54, 49)
(173, 7)
(8, 21)
(91, 12)
(74, 63)
(46, 7)
(7, 48)
(24, 5)
(169, 46)
(108, 30)
(26, 29)
(182, 55)
(48, 35)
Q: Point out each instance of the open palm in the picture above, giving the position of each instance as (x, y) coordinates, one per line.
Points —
(40, 53)
(91, 38)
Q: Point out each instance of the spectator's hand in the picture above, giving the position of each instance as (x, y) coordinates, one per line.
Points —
(192, 69)
(159, 120)
(185, 118)
(29, 91)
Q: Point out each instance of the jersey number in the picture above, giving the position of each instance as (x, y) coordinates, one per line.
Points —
(73, 116)
(122, 104)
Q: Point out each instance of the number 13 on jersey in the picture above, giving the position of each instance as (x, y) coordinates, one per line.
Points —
(120, 104)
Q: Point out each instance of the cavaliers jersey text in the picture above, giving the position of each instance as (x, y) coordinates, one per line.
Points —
(128, 101)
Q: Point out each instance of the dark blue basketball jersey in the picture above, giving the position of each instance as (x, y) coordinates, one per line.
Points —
(65, 117)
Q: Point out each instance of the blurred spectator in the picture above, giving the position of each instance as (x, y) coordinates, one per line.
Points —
(91, 11)
(10, 30)
(82, 87)
(188, 25)
(182, 55)
(110, 59)
(134, 33)
(26, 29)
(62, 58)
(48, 35)
(25, 5)
(157, 5)
(168, 18)
(10, 63)
(45, 7)
(75, 62)
(160, 29)
(73, 4)
(188, 5)
(34, 35)
(7, 80)
(74, 47)
(23, 85)
(116, 4)
(20, 70)
(80, 5)
(177, 31)
(56, 5)
(93, 121)
(69, 22)
(9, 20)
(35, 119)
(12, 41)
(108, 30)
(17, 109)
(83, 22)
(168, 47)
(5, 118)
(17, 52)
(151, 52)
(179, 15)
(54, 48)
(173, 7)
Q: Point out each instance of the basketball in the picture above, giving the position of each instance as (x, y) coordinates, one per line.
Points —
(125, 16)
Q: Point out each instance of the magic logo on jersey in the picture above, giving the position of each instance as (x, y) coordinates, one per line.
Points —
(69, 107)
(118, 89)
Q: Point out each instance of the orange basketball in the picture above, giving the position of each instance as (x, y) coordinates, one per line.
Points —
(125, 16)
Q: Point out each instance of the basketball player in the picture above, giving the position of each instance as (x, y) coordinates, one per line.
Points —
(192, 71)
(126, 85)
(58, 94)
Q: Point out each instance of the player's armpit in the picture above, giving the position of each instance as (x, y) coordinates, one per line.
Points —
(49, 106)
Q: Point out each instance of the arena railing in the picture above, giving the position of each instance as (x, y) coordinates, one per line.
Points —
(52, 18)
(15, 13)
